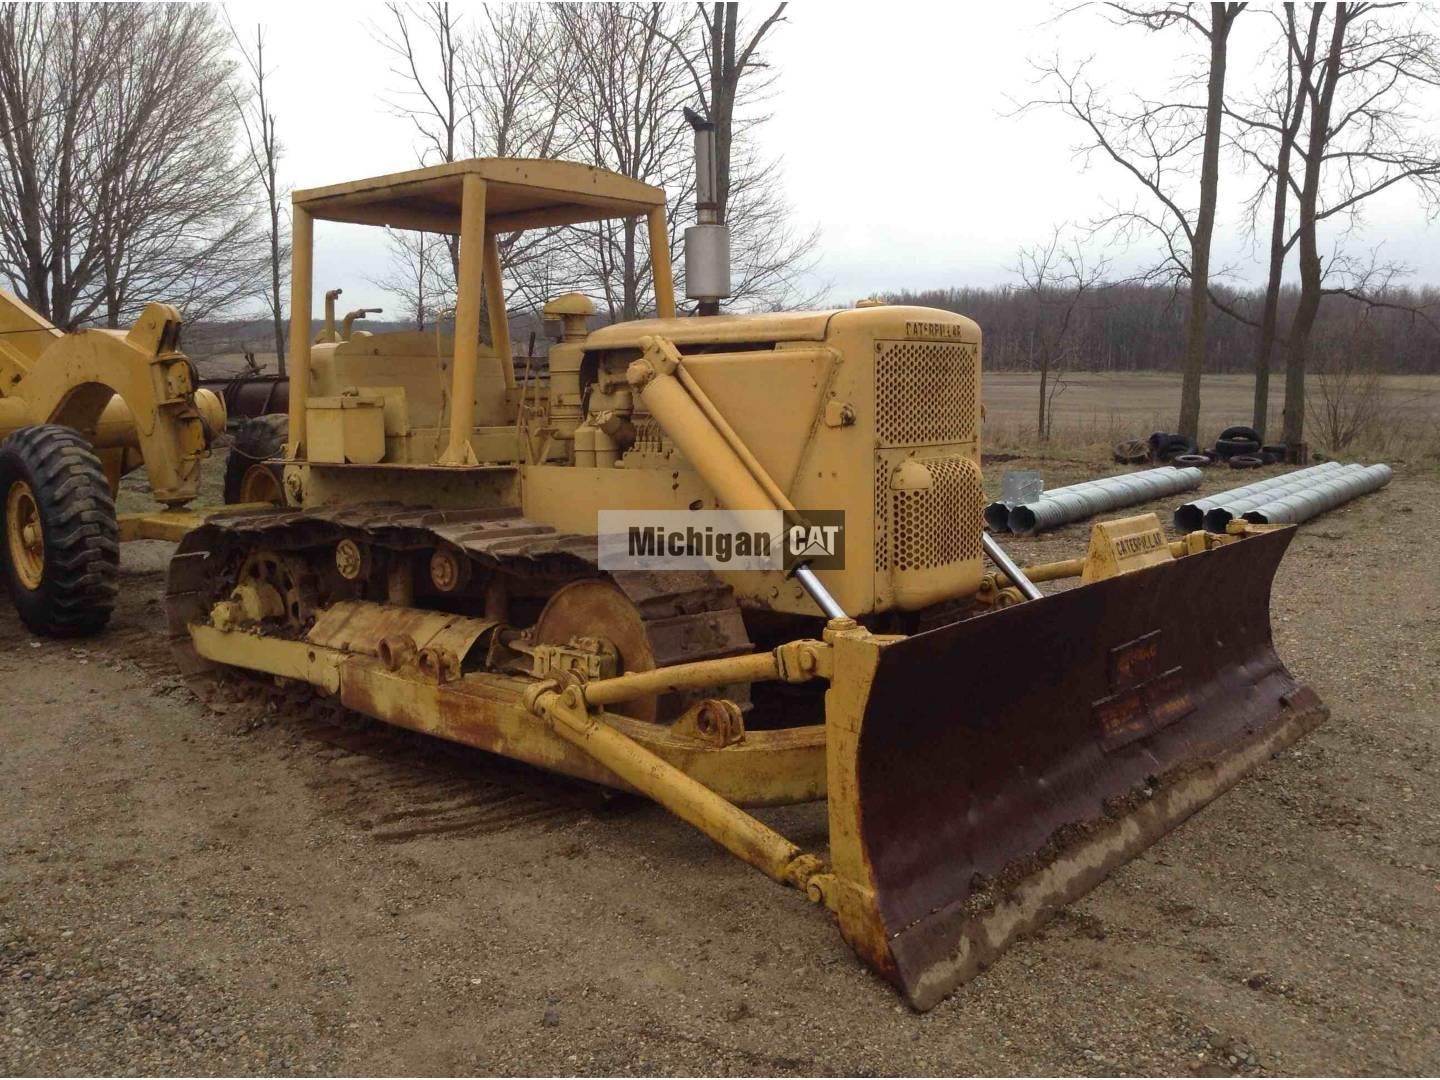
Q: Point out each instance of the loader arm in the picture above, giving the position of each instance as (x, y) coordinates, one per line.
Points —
(124, 389)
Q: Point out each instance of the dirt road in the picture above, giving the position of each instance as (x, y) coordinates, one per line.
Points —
(181, 891)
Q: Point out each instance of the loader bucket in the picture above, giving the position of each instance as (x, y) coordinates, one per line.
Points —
(1003, 765)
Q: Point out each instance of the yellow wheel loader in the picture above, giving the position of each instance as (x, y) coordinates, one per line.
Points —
(985, 752)
(78, 411)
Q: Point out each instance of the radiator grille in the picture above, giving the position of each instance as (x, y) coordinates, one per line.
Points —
(924, 393)
(882, 517)
(938, 525)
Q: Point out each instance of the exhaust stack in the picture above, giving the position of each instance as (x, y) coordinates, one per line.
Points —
(707, 243)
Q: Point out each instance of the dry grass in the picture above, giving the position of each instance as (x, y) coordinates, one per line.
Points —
(1096, 410)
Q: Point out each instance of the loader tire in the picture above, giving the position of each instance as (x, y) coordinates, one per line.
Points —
(1228, 448)
(1240, 431)
(61, 550)
(1173, 447)
(1190, 461)
(249, 475)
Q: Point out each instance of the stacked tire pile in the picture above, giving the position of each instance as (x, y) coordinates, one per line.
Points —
(1239, 447)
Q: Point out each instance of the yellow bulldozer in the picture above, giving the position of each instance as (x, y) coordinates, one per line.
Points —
(985, 753)
(77, 412)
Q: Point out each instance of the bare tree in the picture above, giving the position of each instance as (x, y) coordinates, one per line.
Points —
(728, 52)
(1155, 143)
(498, 85)
(419, 274)
(178, 225)
(630, 89)
(523, 76)
(94, 219)
(1278, 118)
(1345, 401)
(1362, 138)
(264, 149)
(521, 81)
(732, 79)
(425, 41)
(1056, 276)
(605, 84)
(49, 80)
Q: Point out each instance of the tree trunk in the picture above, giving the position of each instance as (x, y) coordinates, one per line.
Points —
(724, 80)
(1311, 272)
(727, 67)
(1044, 379)
(275, 307)
(1194, 363)
(1265, 353)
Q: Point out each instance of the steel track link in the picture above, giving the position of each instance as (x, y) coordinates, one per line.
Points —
(687, 616)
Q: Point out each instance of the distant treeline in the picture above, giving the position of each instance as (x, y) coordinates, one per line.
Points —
(1141, 327)
(212, 339)
(1117, 328)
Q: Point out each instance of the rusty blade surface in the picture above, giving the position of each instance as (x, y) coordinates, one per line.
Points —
(1008, 762)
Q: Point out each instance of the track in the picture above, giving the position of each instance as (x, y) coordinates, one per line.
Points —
(682, 617)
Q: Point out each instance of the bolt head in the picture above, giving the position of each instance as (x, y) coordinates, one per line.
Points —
(446, 573)
(349, 559)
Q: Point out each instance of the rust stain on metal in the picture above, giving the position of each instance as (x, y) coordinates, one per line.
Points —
(966, 795)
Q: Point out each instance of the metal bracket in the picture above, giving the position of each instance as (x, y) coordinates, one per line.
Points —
(585, 658)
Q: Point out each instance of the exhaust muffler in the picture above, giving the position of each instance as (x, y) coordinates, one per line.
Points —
(707, 242)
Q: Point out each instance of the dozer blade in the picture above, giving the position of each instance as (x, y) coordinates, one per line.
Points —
(1004, 765)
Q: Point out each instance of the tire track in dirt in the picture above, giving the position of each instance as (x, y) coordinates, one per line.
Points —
(392, 785)
(398, 786)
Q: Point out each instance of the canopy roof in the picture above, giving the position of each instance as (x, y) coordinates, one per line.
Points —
(520, 193)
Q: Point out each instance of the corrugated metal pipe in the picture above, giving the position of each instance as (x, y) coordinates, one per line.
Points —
(1079, 501)
(1329, 493)
(1218, 517)
(997, 514)
(1191, 516)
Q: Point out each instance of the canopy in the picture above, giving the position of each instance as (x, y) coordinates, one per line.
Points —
(520, 193)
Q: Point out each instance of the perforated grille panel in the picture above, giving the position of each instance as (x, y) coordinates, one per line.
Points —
(938, 525)
(882, 517)
(924, 392)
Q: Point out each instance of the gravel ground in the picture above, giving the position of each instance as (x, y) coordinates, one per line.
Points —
(184, 891)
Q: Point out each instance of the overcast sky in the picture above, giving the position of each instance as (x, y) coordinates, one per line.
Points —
(894, 125)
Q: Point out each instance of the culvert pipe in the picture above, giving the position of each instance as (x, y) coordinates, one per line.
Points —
(1217, 518)
(1190, 516)
(997, 514)
(1331, 492)
(1080, 501)
(997, 517)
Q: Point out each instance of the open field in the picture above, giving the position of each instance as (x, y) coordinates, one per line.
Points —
(1097, 409)
(185, 890)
